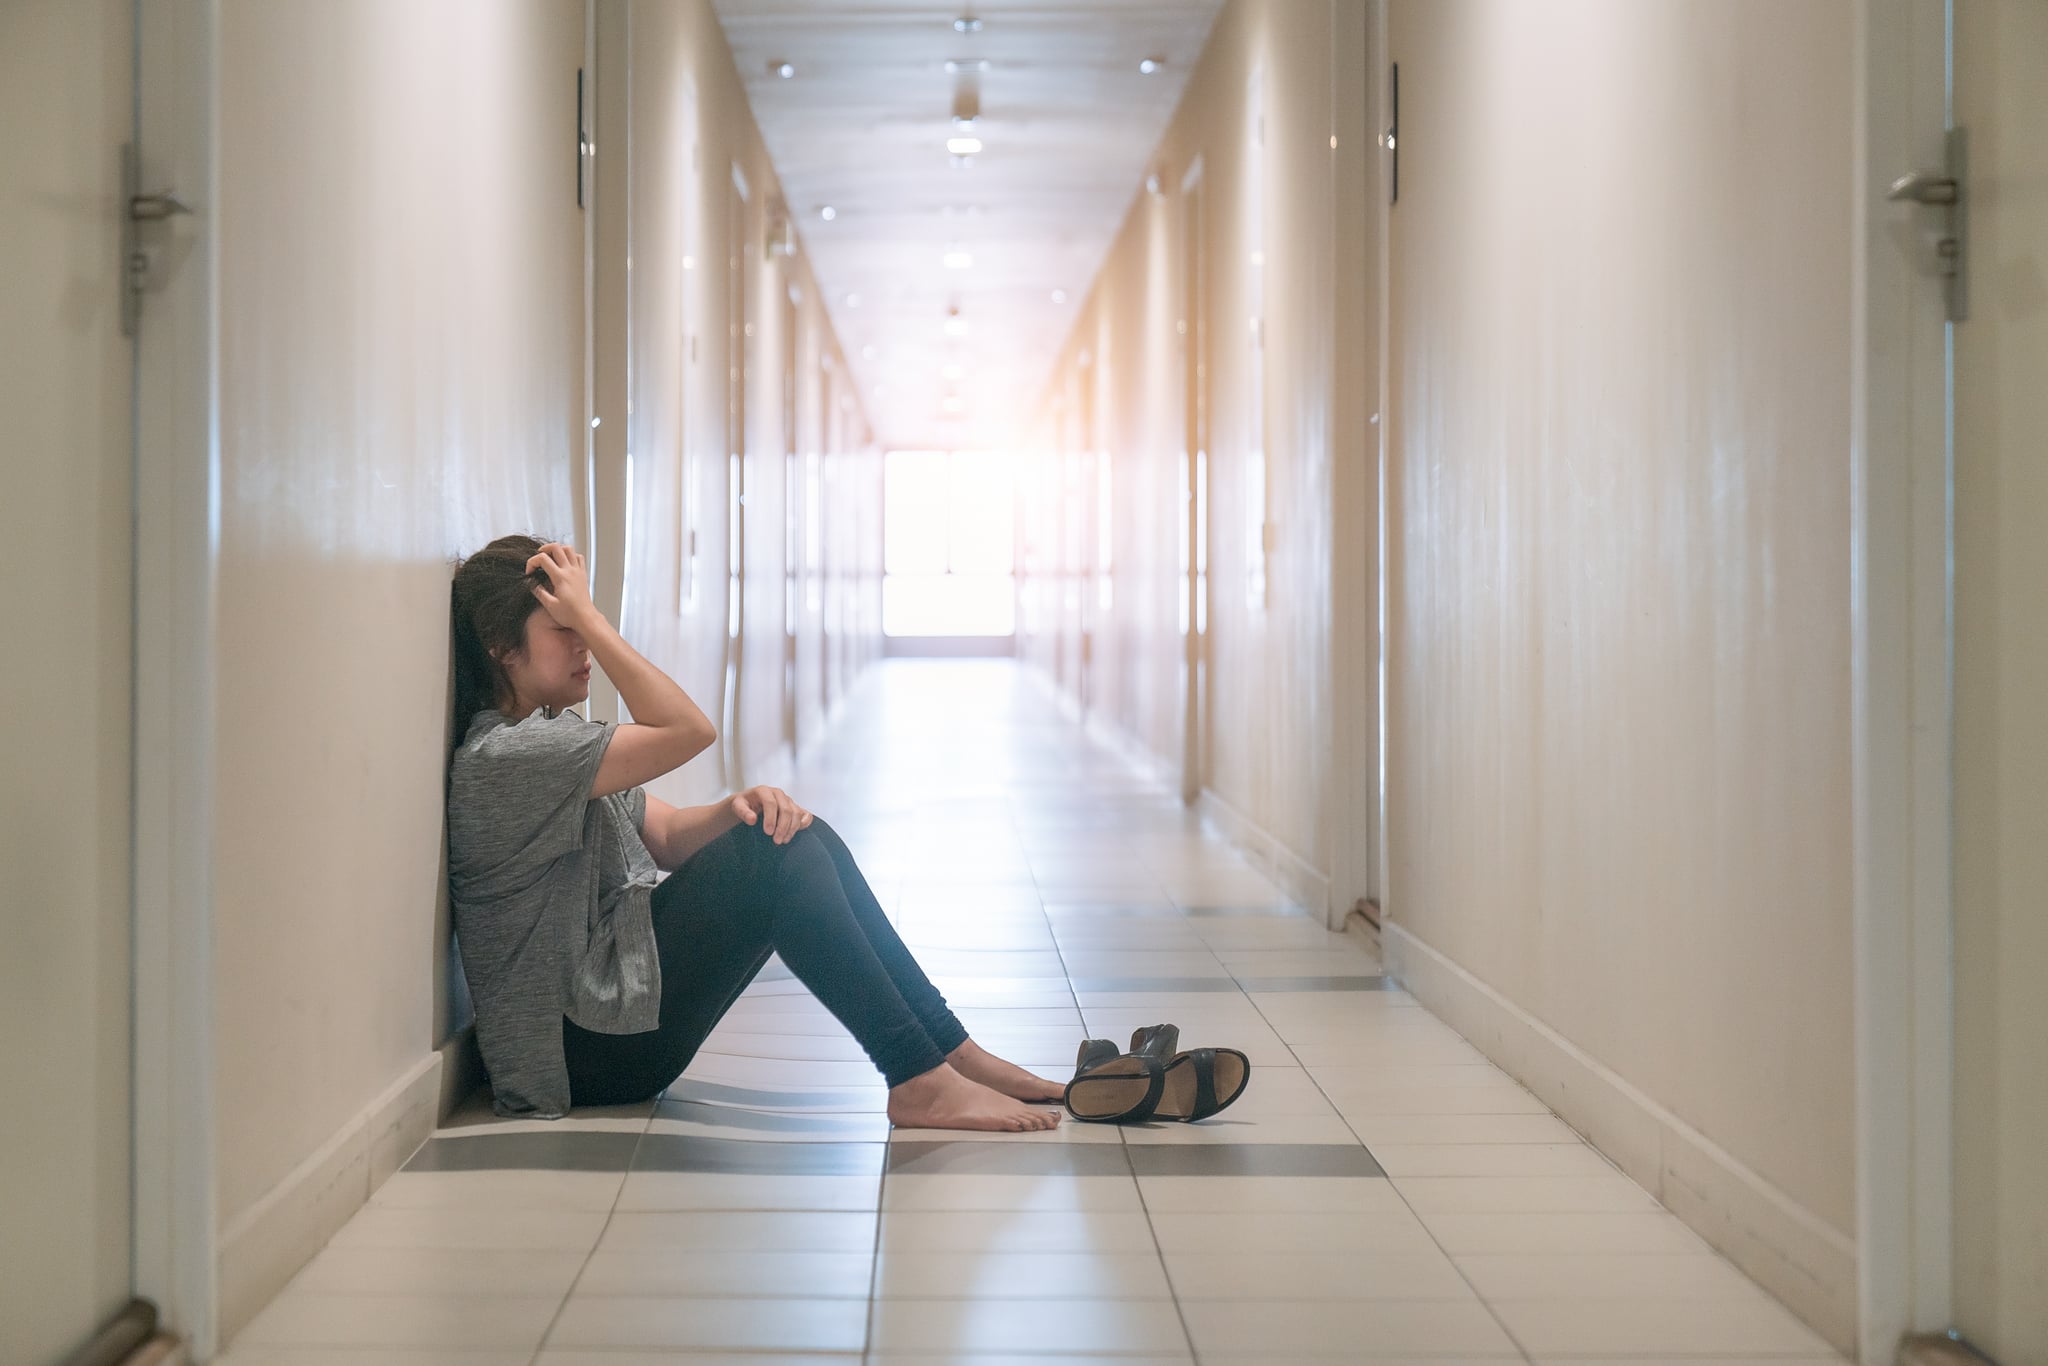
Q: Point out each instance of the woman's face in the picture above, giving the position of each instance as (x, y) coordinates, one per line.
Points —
(552, 669)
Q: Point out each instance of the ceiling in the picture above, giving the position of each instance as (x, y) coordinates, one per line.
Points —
(1068, 122)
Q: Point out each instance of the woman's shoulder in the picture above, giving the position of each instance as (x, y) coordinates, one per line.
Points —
(495, 743)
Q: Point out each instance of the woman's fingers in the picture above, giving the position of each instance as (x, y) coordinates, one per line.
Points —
(781, 817)
(744, 809)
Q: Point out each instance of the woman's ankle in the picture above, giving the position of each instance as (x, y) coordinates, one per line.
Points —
(930, 1080)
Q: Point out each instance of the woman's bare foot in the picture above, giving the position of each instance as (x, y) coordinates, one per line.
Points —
(976, 1063)
(943, 1099)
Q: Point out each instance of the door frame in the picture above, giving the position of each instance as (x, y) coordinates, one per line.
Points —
(175, 1256)
(1192, 205)
(1902, 673)
(1352, 796)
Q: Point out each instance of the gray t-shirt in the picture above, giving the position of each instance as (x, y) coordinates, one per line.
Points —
(551, 896)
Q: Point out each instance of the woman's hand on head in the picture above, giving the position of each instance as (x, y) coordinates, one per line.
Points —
(773, 810)
(566, 596)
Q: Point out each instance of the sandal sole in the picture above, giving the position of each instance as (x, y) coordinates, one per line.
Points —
(1233, 1074)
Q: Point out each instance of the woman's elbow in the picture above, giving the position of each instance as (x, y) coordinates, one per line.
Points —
(702, 737)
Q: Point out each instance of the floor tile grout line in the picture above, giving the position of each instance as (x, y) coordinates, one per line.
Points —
(1484, 1302)
(576, 1280)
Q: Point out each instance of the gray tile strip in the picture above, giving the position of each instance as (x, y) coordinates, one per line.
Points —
(1140, 985)
(580, 1150)
(1376, 983)
(726, 1093)
(1154, 984)
(1252, 1159)
(694, 1153)
(761, 1121)
(993, 1157)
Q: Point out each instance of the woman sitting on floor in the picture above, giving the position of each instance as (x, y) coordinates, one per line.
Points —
(595, 981)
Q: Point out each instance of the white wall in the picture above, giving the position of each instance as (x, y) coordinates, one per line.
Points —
(400, 305)
(1285, 423)
(1618, 690)
(65, 94)
(402, 297)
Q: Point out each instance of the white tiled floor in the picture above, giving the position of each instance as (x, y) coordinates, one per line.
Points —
(764, 1211)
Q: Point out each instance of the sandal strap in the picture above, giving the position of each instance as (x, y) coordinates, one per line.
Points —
(1205, 1081)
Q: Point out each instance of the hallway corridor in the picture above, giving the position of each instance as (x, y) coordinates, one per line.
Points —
(1381, 1192)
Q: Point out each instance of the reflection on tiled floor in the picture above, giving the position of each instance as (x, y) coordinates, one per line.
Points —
(1381, 1193)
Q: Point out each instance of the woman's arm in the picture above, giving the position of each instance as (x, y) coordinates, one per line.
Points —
(673, 833)
(668, 729)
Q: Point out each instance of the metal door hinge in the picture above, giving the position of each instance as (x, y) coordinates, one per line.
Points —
(137, 208)
(1947, 192)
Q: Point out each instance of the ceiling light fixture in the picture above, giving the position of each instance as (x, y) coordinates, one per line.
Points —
(1151, 65)
(782, 69)
(967, 23)
(828, 213)
(964, 147)
(1059, 296)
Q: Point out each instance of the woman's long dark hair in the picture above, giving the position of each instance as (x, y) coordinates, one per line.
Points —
(488, 608)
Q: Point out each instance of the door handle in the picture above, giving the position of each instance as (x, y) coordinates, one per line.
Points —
(141, 208)
(150, 208)
(1924, 187)
(1944, 190)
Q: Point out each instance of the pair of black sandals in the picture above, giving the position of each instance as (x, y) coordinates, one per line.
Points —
(1154, 1080)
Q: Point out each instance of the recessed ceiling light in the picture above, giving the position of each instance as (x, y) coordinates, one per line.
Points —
(964, 147)
(1059, 296)
(782, 69)
(1151, 65)
(959, 259)
(967, 23)
(828, 213)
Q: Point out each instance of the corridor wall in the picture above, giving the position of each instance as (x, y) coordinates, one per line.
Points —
(1618, 762)
(804, 438)
(1234, 249)
(401, 380)
(402, 304)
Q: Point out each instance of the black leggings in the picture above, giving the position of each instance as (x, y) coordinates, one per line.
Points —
(716, 920)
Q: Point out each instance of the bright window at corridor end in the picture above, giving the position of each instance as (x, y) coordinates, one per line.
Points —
(949, 524)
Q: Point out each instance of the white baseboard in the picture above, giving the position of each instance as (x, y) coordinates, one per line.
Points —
(1290, 872)
(267, 1245)
(1804, 1261)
